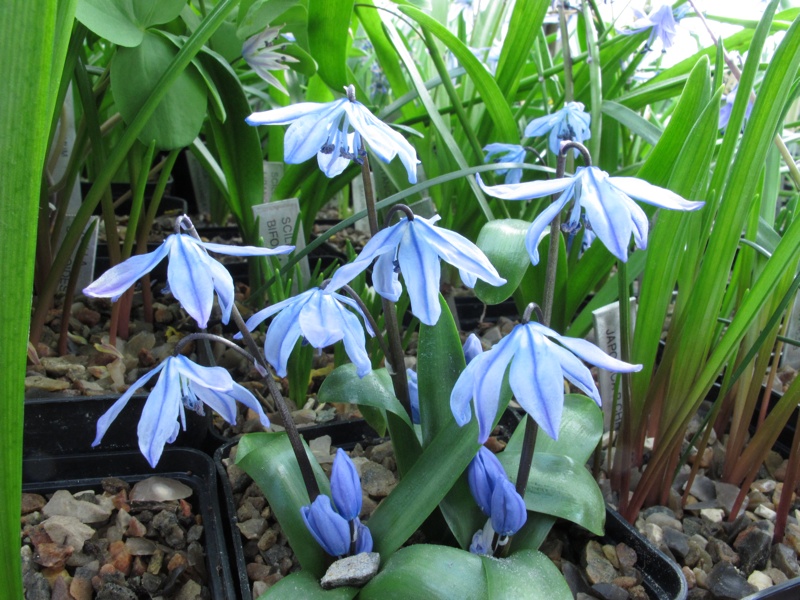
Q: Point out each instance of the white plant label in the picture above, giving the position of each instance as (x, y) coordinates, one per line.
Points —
(277, 222)
(273, 173)
(360, 201)
(606, 327)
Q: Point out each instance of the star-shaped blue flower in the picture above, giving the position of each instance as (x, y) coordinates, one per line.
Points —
(661, 22)
(506, 153)
(192, 274)
(604, 204)
(727, 109)
(570, 124)
(319, 316)
(181, 385)
(414, 247)
(336, 132)
(538, 369)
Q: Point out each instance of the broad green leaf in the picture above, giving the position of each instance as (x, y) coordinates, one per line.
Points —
(34, 37)
(505, 128)
(430, 572)
(123, 22)
(136, 71)
(525, 575)
(329, 23)
(440, 360)
(503, 242)
(561, 487)
(523, 28)
(306, 586)
(638, 125)
(268, 458)
(374, 389)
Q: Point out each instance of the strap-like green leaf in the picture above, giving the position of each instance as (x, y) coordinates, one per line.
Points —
(329, 38)
(634, 121)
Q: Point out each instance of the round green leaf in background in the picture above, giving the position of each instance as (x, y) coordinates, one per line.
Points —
(134, 73)
(123, 22)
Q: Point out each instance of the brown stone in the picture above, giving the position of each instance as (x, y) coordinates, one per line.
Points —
(136, 528)
(626, 555)
(32, 502)
(258, 572)
(177, 560)
(52, 555)
(81, 588)
(120, 557)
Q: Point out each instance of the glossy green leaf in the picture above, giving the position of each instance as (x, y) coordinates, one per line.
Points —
(306, 586)
(523, 28)
(329, 23)
(525, 575)
(136, 71)
(268, 458)
(374, 389)
(633, 121)
(503, 242)
(123, 22)
(440, 360)
(430, 572)
(505, 128)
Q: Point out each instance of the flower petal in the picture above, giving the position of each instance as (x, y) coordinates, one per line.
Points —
(462, 393)
(527, 190)
(640, 190)
(160, 414)
(231, 250)
(542, 222)
(345, 486)
(385, 241)
(606, 212)
(354, 342)
(541, 125)
(421, 270)
(576, 372)
(190, 280)
(489, 375)
(587, 351)
(113, 283)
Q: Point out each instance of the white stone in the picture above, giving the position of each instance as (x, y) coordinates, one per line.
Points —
(760, 580)
(714, 515)
(765, 512)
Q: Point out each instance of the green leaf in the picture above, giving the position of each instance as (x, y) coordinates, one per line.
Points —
(505, 128)
(329, 20)
(523, 28)
(268, 458)
(306, 586)
(503, 242)
(430, 572)
(638, 125)
(179, 116)
(440, 360)
(374, 389)
(123, 22)
(514, 577)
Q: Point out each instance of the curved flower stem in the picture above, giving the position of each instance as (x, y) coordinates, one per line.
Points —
(395, 360)
(201, 335)
(286, 416)
(622, 461)
(545, 314)
(396, 209)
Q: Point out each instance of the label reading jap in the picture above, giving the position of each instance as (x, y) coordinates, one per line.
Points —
(606, 327)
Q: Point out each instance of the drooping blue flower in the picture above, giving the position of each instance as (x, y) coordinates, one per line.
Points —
(508, 508)
(329, 528)
(414, 247)
(604, 204)
(472, 347)
(727, 109)
(661, 22)
(262, 55)
(321, 318)
(570, 124)
(482, 540)
(336, 132)
(506, 153)
(413, 394)
(483, 473)
(192, 274)
(363, 538)
(538, 369)
(345, 486)
(182, 384)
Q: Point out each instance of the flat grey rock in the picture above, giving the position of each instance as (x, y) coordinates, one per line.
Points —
(159, 489)
(352, 571)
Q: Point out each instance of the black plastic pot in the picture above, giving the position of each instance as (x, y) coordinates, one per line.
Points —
(55, 426)
(661, 576)
(195, 469)
(788, 590)
(470, 310)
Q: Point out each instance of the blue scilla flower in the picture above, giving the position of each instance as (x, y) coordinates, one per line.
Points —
(603, 203)
(345, 486)
(483, 473)
(336, 525)
(570, 124)
(537, 372)
(506, 153)
(192, 274)
(181, 385)
(320, 317)
(336, 132)
(508, 508)
(472, 347)
(262, 55)
(413, 247)
(413, 394)
(727, 109)
(661, 23)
